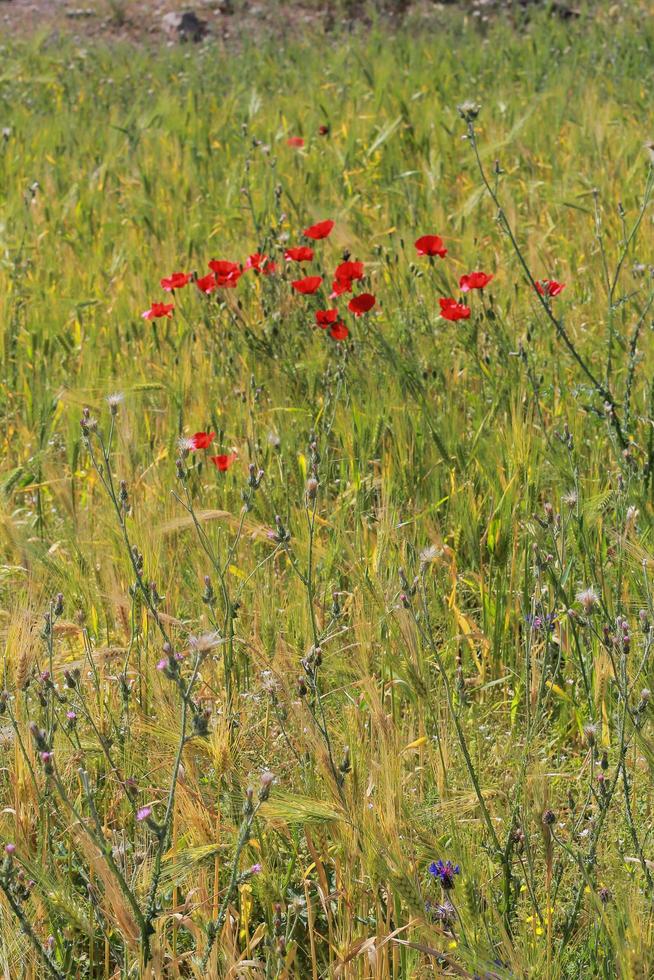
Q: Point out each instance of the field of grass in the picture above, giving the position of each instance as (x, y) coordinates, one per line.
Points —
(246, 709)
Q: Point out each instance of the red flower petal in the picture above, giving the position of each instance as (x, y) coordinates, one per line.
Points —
(550, 287)
(349, 270)
(474, 280)
(308, 285)
(301, 253)
(326, 317)
(159, 310)
(431, 245)
(361, 304)
(202, 440)
(320, 230)
(223, 461)
(176, 281)
(260, 263)
(339, 331)
(340, 286)
(206, 284)
(451, 310)
(295, 141)
(224, 268)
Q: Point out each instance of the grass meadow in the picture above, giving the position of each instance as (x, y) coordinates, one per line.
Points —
(399, 611)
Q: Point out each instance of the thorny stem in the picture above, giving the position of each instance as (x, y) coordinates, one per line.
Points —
(104, 849)
(50, 966)
(213, 930)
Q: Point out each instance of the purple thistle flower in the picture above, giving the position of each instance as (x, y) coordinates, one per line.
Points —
(143, 813)
(445, 872)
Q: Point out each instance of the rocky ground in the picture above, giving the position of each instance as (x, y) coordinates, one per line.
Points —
(172, 21)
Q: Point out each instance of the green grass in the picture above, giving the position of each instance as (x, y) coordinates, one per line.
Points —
(120, 166)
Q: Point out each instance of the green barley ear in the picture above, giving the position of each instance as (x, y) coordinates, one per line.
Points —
(408, 891)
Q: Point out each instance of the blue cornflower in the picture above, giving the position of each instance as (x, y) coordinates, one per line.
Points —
(444, 871)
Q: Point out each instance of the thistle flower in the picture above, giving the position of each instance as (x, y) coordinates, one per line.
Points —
(114, 401)
(143, 813)
(589, 599)
(205, 643)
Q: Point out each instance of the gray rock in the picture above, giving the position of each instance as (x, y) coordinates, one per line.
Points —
(185, 27)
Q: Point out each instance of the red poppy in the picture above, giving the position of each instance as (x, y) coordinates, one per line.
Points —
(451, 310)
(550, 287)
(321, 230)
(222, 267)
(227, 273)
(158, 310)
(361, 304)
(261, 263)
(339, 331)
(349, 270)
(301, 253)
(308, 285)
(326, 317)
(202, 440)
(295, 141)
(323, 129)
(431, 245)
(474, 280)
(340, 286)
(176, 281)
(223, 461)
(206, 284)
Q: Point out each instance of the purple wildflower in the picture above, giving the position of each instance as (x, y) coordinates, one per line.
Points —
(445, 872)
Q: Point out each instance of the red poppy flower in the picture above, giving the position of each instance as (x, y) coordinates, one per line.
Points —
(301, 253)
(206, 284)
(340, 286)
(474, 280)
(361, 304)
(260, 263)
(339, 331)
(222, 267)
(223, 461)
(451, 310)
(431, 245)
(550, 287)
(326, 317)
(158, 310)
(323, 129)
(308, 285)
(176, 281)
(321, 230)
(295, 141)
(202, 440)
(349, 270)
(227, 273)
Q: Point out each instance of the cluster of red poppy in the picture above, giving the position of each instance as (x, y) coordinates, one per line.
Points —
(202, 440)
(225, 274)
